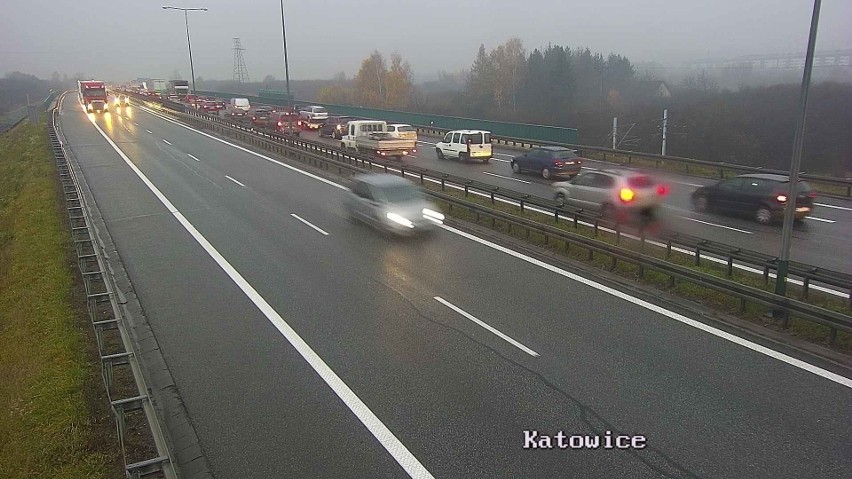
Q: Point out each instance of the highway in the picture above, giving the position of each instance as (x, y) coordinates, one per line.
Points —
(304, 345)
(815, 242)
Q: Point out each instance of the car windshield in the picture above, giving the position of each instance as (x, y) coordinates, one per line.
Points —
(400, 193)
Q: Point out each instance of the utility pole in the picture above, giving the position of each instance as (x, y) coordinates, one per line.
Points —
(665, 128)
(188, 43)
(286, 67)
(795, 164)
(614, 131)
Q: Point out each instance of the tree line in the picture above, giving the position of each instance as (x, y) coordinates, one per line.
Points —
(578, 88)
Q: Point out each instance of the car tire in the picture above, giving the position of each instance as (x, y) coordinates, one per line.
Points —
(763, 215)
(486, 160)
(560, 199)
(440, 154)
(516, 167)
(700, 204)
(545, 173)
(608, 212)
(462, 157)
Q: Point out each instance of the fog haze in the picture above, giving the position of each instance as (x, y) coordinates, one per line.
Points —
(121, 40)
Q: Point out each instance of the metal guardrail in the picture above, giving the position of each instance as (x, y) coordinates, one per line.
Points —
(322, 156)
(12, 119)
(107, 320)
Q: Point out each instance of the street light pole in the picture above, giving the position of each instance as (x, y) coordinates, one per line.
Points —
(188, 43)
(792, 191)
(286, 67)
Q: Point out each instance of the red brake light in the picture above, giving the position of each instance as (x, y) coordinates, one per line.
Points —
(557, 163)
(662, 190)
(626, 195)
(812, 194)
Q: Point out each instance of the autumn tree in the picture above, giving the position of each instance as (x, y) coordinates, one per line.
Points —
(371, 81)
(509, 61)
(399, 83)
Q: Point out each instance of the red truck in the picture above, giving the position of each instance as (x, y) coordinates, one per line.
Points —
(93, 95)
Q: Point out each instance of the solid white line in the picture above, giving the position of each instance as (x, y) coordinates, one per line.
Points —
(486, 326)
(388, 440)
(688, 184)
(834, 206)
(137, 124)
(149, 131)
(289, 167)
(194, 158)
(235, 181)
(819, 219)
(658, 309)
(166, 142)
(294, 215)
(505, 177)
(718, 226)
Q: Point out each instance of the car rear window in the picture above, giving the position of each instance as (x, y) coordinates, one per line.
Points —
(320, 110)
(476, 138)
(640, 181)
(405, 128)
(565, 154)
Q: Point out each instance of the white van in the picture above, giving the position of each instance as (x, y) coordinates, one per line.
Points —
(465, 145)
(240, 104)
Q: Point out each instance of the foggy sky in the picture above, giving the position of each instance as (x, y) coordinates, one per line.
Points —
(122, 40)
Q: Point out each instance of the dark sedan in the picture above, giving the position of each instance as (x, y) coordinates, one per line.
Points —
(759, 196)
(335, 127)
(549, 162)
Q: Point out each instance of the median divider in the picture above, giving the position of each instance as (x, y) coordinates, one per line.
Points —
(325, 157)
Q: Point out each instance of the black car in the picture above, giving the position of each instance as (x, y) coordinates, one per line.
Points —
(759, 196)
(335, 127)
(549, 161)
(260, 117)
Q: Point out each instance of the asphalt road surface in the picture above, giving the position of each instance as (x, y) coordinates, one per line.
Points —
(815, 242)
(304, 345)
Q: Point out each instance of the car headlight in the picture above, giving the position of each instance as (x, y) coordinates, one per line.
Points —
(400, 220)
(433, 215)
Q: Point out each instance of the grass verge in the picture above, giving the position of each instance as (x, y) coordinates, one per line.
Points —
(50, 423)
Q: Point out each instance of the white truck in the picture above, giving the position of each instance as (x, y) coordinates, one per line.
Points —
(372, 137)
(313, 117)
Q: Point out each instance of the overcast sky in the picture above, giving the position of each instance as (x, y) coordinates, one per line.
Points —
(121, 40)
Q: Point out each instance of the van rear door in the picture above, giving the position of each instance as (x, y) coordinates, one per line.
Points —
(479, 144)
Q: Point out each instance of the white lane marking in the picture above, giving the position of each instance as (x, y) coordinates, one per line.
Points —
(486, 326)
(125, 127)
(320, 230)
(166, 142)
(498, 159)
(235, 181)
(149, 131)
(660, 310)
(368, 418)
(137, 124)
(834, 206)
(289, 167)
(823, 289)
(687, 184)
(505, 177)
(716, 225)
(194, 158)
(819, 219)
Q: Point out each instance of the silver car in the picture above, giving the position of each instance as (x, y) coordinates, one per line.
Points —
(612, 193)
(391, 203)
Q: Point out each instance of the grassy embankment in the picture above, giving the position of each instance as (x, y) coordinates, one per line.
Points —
(50, 423)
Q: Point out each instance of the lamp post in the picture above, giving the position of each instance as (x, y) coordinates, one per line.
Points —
(188, 44)
(795, 164)
(286, 67)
